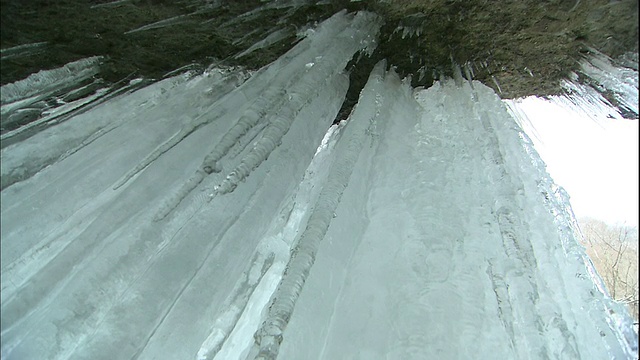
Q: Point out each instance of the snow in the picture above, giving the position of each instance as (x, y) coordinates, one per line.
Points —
(221, 217)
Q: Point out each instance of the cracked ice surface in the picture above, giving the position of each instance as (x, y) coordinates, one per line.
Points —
(204, 221)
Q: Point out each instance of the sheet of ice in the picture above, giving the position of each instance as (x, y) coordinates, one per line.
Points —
(206, 222)
(22, 160)
(450, 242)
(89, 269)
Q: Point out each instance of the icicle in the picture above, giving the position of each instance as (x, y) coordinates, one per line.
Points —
(300, 94)
(269, 40)
(93, 137)
(365, 25)
(45, 81)
(614, 77)
(160, 24)
(505, 309)
(495, 81)
(243, 143)
(22, 50)
(109, 4)
(467, 74)
(269, 336)
(457, 73)
(272, 136)
(528, 71)
(421, 73)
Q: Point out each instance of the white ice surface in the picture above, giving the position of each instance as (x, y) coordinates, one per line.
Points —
(92, 272)
(195, 222)
(451, 242)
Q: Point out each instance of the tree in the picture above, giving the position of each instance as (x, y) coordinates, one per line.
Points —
(614, 252)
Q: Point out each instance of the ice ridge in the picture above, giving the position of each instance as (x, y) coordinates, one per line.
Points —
(265, 86)
(295, 87)
(269, 335)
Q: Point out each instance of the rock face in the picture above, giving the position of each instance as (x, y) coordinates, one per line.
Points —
(518, 48)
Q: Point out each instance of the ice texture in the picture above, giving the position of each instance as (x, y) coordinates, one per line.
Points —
(49, 80)
(215, 217)
(451, 242)
(114, 247)
(600, 75)
(615, 77)
(36, 100)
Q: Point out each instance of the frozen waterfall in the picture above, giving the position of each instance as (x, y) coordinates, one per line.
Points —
(221, 216)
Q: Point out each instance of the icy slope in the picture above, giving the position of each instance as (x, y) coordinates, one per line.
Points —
(147, 238)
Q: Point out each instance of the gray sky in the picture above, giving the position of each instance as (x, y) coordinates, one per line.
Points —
(594, 159)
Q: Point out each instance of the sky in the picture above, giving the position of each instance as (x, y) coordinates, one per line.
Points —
(594, 159)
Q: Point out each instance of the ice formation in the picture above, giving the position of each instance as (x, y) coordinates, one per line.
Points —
(599, 75)
(22, 50)
(161, 24)
(206, 217)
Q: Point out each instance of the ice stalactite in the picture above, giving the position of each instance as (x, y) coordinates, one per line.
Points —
(277, 107)
(22, 50)
(166, 146)
(47, 81)
(267, 93)
(269, 335)
(423, 224)
(235, 306)
(616, 77)
(300, 94)
(161, 24)
(175, 198)
(272, 38)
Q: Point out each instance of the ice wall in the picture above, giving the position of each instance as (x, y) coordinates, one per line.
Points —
(198, 219)
(450, 242)
(159, 223)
